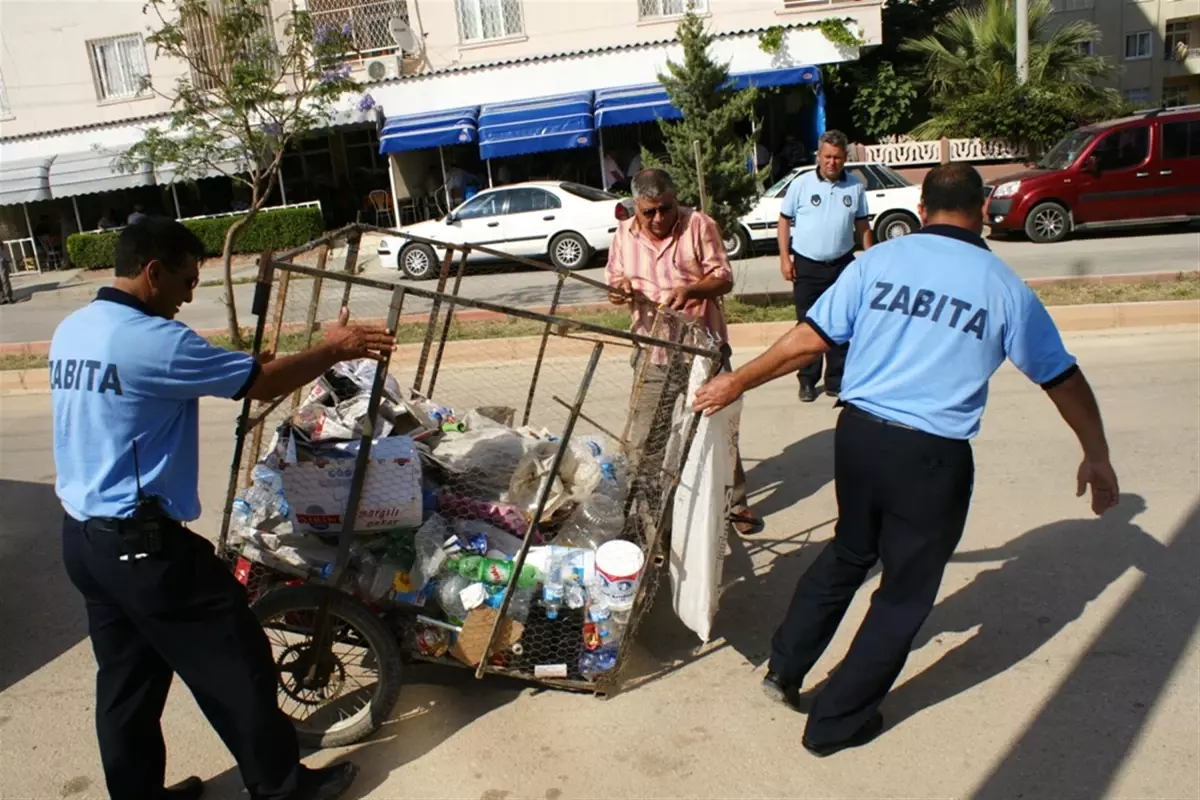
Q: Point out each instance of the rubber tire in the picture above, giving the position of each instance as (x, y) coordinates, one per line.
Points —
(382, 640)
(742, 246)
(891, 218)
(430, 258)
(1031, 230)
(585, 248)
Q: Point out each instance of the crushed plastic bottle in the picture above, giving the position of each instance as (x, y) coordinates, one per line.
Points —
(597, 520)
(552, 588)
(429, 554)
(449, 591)
(518, 608)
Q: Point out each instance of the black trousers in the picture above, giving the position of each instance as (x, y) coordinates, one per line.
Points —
(176, 611)
(812, 279)
(902, 497)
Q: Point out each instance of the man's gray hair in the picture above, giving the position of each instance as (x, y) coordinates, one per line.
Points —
(835, 138)
(652, 184)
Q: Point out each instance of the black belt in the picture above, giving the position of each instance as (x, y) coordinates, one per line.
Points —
(837, 262)
(867, 415)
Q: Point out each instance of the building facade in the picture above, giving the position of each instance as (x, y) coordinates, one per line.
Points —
(1154, 43)
(63, 118)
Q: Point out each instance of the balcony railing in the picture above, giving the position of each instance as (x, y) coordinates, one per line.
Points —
(366, 24)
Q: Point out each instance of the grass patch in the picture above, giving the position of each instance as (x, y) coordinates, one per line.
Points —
(736, 311)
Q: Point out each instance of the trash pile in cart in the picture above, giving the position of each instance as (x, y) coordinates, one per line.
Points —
(447, 499)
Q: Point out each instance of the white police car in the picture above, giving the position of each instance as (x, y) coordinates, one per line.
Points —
(891, 199)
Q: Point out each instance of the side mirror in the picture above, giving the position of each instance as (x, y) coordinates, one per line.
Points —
(450, 218)
(1092, 165)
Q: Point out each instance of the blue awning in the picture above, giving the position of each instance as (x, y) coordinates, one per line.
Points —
(765, 78)
(633, 104)
(630, 105)
(539, 125)
(432, 129)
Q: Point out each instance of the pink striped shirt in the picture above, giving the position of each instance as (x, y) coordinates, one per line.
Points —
(693, 252)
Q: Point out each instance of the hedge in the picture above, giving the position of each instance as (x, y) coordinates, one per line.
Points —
(277, 230)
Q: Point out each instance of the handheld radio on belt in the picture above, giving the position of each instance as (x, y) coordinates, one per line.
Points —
(143, 536)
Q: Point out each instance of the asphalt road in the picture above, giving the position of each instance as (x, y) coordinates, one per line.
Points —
(44, 305)
(1062, 659)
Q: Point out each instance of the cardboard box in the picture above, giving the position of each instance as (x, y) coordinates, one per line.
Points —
(318, 489)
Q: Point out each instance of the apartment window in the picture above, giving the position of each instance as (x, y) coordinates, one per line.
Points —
(481, 20)
(1137, 45)
(1088, 48)
(1180, 140)
(1173, 96)
(655, 9)
(119, 66)
(5, 109)
(210, 56)
(1176, 40)
(367, 21)
(1139, 97)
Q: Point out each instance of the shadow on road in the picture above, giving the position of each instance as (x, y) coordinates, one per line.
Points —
(753, 604)
(1076, 745)
(43, 614)
(435, 703)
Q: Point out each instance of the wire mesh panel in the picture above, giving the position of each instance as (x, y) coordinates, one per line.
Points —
(502, 502)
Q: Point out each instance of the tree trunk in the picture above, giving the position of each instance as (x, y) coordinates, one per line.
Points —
(235, 331)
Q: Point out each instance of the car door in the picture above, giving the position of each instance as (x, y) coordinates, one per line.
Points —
(1179, 168)
(1123, 183)
(533, 215)
(876, 197)
(479, 221)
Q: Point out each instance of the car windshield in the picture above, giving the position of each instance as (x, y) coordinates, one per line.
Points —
(892, 176)
(1063, 154)
(777, 187)
(587, 192)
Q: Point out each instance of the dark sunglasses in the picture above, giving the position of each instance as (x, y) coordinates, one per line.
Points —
(654, 212)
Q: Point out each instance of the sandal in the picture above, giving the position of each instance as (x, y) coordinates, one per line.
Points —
(745, 523)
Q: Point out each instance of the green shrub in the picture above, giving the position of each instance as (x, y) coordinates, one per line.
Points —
(277, 230)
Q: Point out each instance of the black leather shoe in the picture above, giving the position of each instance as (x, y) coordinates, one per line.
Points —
(187, 789)
(328, 783)
(872, 728)
(775, 689)
(833, 391)
(808, 393)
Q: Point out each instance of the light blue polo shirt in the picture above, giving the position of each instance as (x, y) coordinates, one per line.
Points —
(823, 214)
(120, 375)
(933, 316)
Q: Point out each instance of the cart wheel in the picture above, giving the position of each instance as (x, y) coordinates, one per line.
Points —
(353, 695)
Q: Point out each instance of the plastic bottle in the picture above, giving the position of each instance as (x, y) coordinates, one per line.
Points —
(518, 607)
(552, 588)
(448, 591)
(429, 556)
(489, 570)
(597, 520)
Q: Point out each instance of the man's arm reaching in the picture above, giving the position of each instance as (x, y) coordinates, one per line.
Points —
(795, 349)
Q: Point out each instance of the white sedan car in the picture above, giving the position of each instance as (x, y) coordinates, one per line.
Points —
(891, 200)
(564, 221)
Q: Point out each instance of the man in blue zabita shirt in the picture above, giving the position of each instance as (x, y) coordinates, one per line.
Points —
(933, 315)
(126, 380)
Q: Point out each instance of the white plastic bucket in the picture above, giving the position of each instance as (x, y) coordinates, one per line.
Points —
(618, 566)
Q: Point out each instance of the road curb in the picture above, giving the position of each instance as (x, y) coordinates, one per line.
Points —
(1098, 317)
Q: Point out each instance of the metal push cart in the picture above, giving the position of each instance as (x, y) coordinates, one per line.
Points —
(524, 435)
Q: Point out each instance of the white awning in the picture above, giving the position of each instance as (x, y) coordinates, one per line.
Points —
(94, 171)
(24, 181)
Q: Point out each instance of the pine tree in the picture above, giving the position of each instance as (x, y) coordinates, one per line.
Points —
(698, 88)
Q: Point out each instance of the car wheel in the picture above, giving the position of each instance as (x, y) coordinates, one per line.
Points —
(417, 261)
(738, 244)
(1047, 223)
(894, 225)
(570, 251)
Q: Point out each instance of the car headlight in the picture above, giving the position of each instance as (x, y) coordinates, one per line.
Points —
(1007, 189)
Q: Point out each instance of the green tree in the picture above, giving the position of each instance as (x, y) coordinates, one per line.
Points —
(970, 69)
(711, 113)
(878, 94)
(253, 85)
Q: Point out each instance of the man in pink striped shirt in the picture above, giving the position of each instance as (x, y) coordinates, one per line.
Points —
(671, 255)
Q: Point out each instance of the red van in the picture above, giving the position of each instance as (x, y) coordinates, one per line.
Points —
(1139, 170)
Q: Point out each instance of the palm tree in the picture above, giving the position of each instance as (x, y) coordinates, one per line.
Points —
(974, 51)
